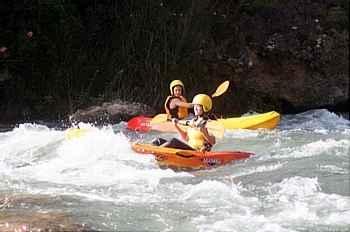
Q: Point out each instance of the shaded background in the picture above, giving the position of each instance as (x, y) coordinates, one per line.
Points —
(59, 56)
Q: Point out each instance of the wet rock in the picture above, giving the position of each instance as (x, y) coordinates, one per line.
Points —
(111, 112)
(38, 221)
(29, 213)
(290, 65)
(5, 127)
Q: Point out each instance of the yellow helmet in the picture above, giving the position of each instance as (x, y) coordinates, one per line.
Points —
(175, 83)
(204, 100)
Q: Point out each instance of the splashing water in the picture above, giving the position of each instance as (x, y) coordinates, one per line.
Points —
(297, 181)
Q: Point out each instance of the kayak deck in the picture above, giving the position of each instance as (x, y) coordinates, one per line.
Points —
(188, 159)
(267, 120)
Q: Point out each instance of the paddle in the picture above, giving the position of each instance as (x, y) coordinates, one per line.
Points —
(159, 118)
(221, 89)
(214, 127)
(74, 133)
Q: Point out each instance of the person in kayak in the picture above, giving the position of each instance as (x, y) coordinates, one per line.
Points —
(176, 105)
(197, 135)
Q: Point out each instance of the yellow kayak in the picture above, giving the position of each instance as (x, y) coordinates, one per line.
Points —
(267, 120)
(73, 133)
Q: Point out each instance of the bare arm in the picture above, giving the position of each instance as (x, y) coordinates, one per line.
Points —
(209, 138)
(178, 102)
(182, 133)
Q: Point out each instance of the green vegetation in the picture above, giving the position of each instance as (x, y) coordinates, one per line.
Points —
(84, 52)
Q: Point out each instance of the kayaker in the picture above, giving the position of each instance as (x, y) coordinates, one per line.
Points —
(197, 135)
(176, 105)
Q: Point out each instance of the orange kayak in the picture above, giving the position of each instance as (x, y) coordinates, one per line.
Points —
(188, 159)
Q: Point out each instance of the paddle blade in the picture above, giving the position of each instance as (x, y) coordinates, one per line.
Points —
(216, 128)
(74, 133)
(139, 123)
(159, 118)
(221, 89)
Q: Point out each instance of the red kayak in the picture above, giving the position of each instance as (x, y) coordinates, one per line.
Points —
(140, 123)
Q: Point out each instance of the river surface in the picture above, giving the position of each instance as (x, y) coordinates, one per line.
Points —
(297, 181)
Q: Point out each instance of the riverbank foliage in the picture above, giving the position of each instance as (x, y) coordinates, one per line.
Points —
(57, 56)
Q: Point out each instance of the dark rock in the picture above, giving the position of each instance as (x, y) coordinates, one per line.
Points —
(290, 65)
(4, 127)
(37, 221)
(279, 55)
(111, 112)
(20, 214)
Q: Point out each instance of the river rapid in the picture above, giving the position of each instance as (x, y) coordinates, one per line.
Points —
(298, 179)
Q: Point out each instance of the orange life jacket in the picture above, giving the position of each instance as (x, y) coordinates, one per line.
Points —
(177, 112)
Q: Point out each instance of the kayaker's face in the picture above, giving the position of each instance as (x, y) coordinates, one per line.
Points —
(178, 91)
(198, 110)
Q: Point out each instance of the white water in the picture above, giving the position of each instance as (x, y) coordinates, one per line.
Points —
(297, 181)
